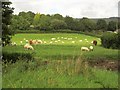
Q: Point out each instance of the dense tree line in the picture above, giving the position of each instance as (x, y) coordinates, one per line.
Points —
(30, 20)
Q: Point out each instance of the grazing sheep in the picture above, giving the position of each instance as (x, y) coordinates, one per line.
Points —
(35, 42)
(91, 48)
(56, 41)
(95, 42)
(80, 40)
(73, 41)
(45, 42)
(21, 42)
(69, 38)
(26, 41)
(92, 42)
(85, 49)
(30, 42)
(39, 41)
(65, 38)
(13, 44)
(28, 47)
(50, 42)
(63, 42)
(52, 38)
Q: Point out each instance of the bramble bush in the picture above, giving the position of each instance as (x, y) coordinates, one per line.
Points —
(110, 40)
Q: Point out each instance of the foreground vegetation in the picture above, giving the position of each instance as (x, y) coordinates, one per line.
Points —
(57, 74)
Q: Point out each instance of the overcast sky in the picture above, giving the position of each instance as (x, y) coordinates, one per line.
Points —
(74, 8)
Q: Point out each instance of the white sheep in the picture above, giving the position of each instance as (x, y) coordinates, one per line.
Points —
(21, 42)
(50, 42)
(45, 42)
(56, 41)
(65, 38)
(27, 46)
(13, 44)
(69, 38)
(85, 49)
(26, 41)
(53, 38)
(80, 40)
(30, 47)
(91, 48)
(73, 41)
(63, 42)
(92, 42)
(39, 41)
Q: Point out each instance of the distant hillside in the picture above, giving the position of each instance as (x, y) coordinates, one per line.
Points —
(107, 19)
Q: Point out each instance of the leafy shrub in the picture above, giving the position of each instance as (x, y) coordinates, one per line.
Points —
(13, 57)
(110, 40)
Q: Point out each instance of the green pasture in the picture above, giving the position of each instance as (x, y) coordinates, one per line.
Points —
(59, 50)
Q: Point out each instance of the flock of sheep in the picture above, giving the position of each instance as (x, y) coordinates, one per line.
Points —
(29, 43)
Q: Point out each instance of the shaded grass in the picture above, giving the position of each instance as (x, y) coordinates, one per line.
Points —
(56, 52)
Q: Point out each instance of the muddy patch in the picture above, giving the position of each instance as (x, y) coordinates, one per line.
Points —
(112, 65)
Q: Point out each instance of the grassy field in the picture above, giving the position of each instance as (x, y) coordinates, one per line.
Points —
(62, 47)
(59, 63)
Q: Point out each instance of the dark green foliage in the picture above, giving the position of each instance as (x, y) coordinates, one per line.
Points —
(112, 26)
(57, 16)
(70, 22)
(101, 25)
(23, 21)
(48, 31)
(44, 22)
(36, 21)
(110, 40)
(87, 24)
(6, 22)
(119, 24)
(58, 24)
(13, 57)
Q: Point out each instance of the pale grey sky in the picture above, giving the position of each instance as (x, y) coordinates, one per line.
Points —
(74, 8)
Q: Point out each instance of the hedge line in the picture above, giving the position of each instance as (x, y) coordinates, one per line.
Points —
(13, 57)
(111, 40)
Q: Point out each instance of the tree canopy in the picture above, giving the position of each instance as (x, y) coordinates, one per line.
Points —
(29, 20)
(6, 22)
(101, 25)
